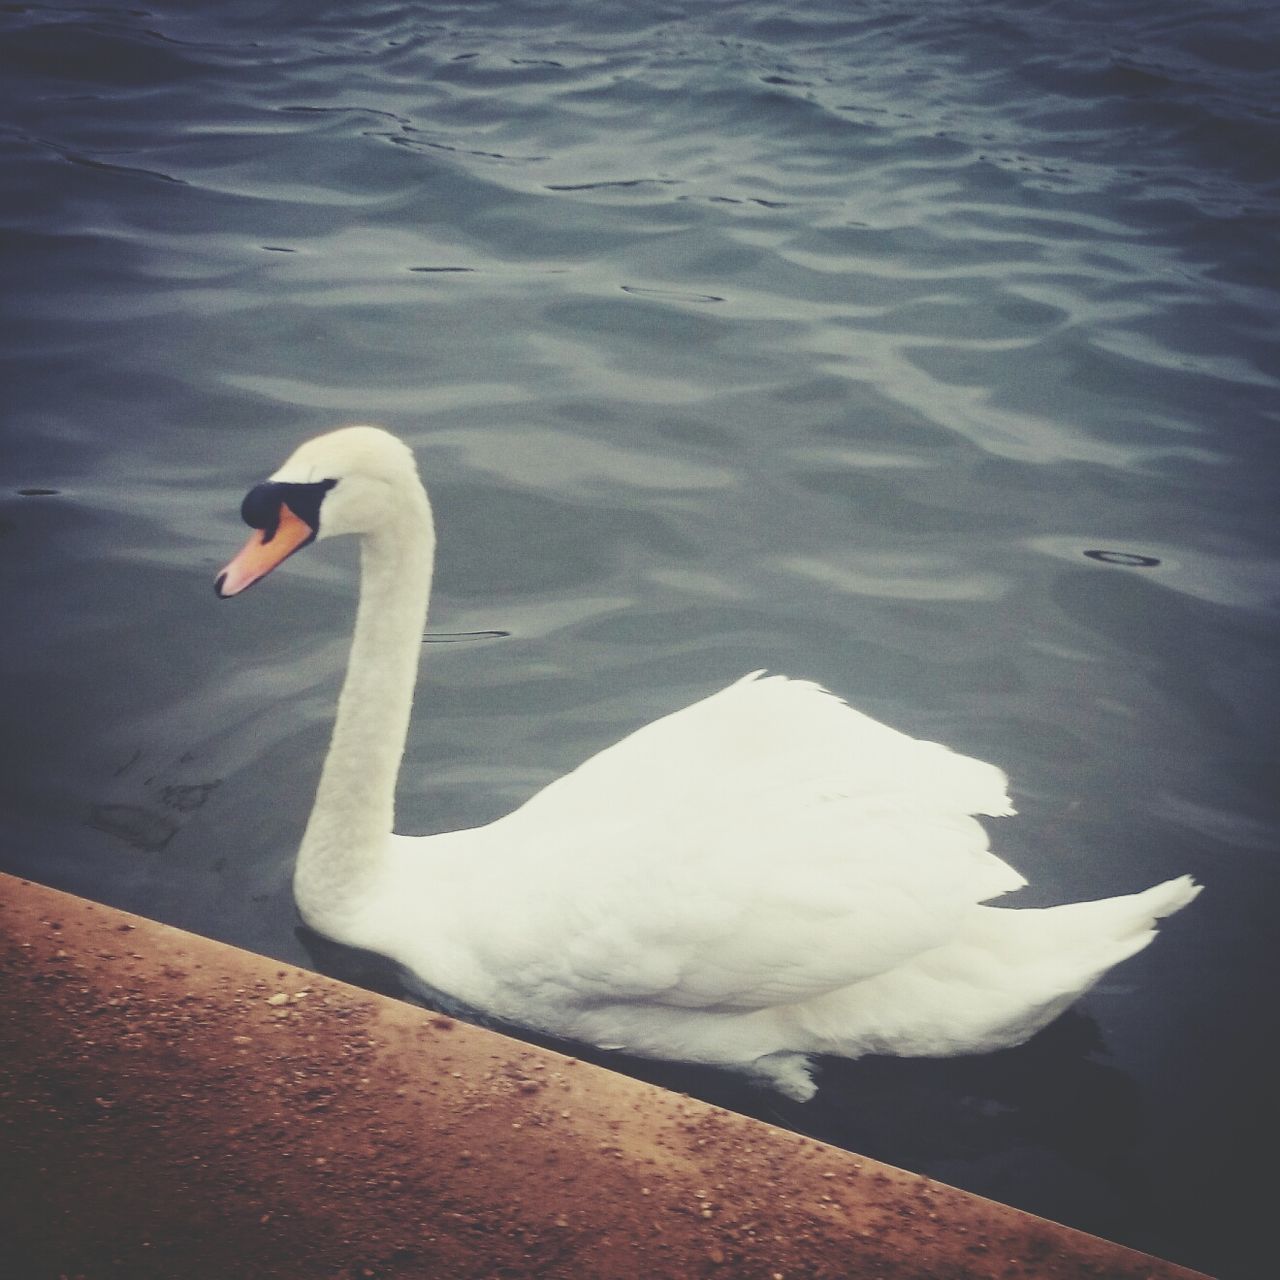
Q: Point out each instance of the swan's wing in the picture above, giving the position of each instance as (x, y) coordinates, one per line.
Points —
(759, 847)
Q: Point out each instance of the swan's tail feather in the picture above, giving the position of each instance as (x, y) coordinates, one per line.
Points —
(1084, 939)
(1008, 975)
(1064, 951)
(1164, 899)
(1125, 924)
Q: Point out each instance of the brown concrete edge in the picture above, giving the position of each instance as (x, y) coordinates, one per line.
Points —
(172, 1106)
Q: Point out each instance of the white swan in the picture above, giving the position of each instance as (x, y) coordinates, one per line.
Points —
(764, 875)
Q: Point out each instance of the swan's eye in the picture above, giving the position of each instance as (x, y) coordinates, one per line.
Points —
(261, 506)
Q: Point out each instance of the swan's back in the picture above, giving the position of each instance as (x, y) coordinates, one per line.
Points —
(773, 733)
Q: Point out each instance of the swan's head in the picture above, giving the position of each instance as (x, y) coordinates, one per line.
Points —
(347, 481)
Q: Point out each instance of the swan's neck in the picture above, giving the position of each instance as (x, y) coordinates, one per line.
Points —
(345, 847)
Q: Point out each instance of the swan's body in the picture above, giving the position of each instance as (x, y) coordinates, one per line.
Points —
(764, 875)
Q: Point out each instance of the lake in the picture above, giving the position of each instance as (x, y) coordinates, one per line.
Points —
(926, 350)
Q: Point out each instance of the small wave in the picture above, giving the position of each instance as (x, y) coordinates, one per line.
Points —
(94, 53)
(463, 637)
(624, 183)
(672, 295)
(107, 166)
(413, 139)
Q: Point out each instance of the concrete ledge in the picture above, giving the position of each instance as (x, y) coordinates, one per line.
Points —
(174, 1107)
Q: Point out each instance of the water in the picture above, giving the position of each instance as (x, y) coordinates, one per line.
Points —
(824, 337)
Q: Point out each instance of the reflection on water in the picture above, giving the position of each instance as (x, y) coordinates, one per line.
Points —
(925, 351)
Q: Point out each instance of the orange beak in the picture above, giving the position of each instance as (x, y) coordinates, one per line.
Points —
(264, 550)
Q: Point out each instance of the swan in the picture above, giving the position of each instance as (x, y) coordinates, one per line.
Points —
(763, 876)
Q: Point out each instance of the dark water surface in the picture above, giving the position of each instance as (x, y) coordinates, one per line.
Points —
(827, 337)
